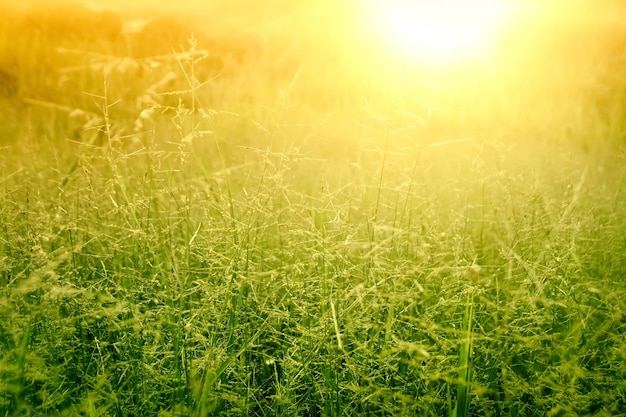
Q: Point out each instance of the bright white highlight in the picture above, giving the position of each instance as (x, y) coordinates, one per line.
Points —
(440, 29)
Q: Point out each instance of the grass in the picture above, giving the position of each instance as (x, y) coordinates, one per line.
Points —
(195, 226)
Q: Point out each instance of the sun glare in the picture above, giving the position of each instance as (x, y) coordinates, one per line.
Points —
(440, 30)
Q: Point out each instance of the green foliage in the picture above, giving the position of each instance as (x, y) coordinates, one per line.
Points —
(163, 255)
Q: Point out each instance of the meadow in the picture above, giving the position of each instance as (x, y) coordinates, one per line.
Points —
(270, 214)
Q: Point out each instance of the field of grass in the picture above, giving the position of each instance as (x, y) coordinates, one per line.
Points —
(237, 214)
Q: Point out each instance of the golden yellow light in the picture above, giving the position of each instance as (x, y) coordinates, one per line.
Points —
(440, 30)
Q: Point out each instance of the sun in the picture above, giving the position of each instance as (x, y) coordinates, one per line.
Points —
(440, 30)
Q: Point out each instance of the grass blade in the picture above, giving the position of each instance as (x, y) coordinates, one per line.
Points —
(465, 363)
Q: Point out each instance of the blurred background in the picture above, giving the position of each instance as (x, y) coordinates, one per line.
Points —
(544, 63)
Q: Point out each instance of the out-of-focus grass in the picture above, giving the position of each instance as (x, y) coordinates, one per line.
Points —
(264, 221)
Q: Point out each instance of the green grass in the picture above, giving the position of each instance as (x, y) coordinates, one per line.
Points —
(295, 238)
